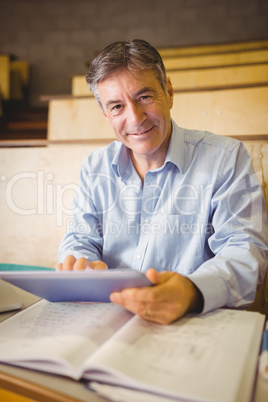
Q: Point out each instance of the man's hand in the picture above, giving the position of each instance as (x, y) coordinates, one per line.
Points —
(71, 263)
(173, 296)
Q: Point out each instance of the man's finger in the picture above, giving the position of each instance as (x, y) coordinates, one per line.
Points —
(69, 262)
(98, 265)
(81, 264)
(59, 267)
(153, 276)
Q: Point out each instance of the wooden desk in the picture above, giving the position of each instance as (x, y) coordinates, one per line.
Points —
(44, 387)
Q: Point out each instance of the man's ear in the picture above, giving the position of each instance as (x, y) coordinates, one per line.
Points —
(170, 92)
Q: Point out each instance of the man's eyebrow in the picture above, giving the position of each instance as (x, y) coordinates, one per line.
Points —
(145, 89)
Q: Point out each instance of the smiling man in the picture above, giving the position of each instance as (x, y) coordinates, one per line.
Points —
(184, 206)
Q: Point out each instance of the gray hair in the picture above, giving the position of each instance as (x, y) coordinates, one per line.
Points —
(134, 55)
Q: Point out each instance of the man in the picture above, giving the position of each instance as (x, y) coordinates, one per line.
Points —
(183, 206)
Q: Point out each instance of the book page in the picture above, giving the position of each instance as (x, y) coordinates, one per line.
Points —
(63, 333)
(200, 358)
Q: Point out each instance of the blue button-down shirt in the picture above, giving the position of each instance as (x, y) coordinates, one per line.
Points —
(201, 214)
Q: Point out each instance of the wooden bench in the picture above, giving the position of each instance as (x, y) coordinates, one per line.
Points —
(76, 119)
(235, 112)
(216, 48)
(219, 77)
(198, 78)
(216, 60)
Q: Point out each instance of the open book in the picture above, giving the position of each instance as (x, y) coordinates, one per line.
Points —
(201, 358)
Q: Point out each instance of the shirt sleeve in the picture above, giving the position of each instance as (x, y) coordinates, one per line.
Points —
(84, 235)
(239, 240)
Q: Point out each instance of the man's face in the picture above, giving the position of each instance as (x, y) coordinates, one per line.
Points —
(139, 111)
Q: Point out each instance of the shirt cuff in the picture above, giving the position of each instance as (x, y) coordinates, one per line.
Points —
(213, 289)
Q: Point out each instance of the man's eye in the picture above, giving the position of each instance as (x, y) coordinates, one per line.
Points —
(145, 99)
(116, 110)
(117, 107)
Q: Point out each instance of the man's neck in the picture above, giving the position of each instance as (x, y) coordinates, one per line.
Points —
(145, 162)
(142, 167)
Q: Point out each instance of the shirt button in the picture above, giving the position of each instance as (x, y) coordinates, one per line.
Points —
(138, 256)
(147, 220)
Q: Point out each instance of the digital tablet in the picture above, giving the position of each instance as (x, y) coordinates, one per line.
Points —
(83, 286)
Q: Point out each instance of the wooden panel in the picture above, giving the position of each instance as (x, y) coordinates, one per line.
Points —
(219, 77)
(233, 112)
(80, 87)
(8, 396)
(213, 60)
(37, 186)
(37, 387)
(5, 76)
(77, 119)
(217, 48)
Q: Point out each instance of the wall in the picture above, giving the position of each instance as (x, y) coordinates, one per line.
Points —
(58, 37)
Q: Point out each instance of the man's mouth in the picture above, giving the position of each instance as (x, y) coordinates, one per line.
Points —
(141, 133)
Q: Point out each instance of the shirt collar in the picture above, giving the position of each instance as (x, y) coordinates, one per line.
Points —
(122, 164)
(175, 153)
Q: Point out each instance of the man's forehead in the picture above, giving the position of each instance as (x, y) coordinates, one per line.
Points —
(136, 82)
(137, 75)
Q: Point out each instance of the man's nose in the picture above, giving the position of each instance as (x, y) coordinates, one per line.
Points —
(136, 113)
